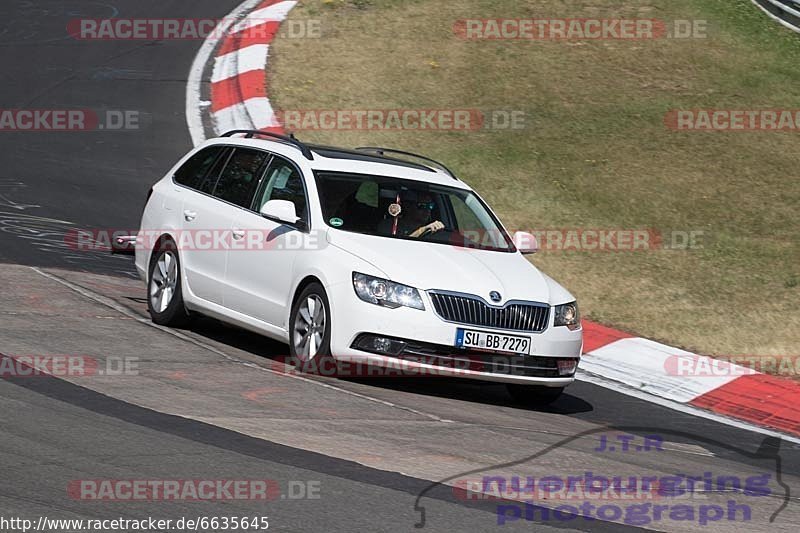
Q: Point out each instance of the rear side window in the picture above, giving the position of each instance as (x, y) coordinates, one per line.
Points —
(239, 179)
(207, 184)
(192, 172)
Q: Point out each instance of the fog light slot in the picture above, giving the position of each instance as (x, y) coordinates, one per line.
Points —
(567, 367)
(380, 345)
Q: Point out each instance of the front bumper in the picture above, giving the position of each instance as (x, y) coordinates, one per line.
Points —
(431, 343)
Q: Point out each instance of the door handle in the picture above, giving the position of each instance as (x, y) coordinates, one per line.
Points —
(189, 215)
(238, 234)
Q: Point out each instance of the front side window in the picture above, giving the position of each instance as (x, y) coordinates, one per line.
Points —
(282, 181)
(238, 181)
(408, 209)
(197, 167)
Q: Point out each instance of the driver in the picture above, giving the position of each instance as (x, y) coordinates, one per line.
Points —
(415, 218)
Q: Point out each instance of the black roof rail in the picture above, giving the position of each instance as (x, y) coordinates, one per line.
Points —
(288, 139)
(350, 153)
(381, 151)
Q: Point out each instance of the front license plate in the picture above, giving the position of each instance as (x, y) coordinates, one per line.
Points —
(496, 342)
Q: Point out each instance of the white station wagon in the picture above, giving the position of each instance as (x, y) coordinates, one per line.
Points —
(370, 256)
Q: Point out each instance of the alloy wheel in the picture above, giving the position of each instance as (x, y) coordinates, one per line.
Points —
(309, 327)
(163, 281)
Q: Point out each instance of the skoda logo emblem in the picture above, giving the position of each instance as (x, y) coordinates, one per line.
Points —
(495, 296)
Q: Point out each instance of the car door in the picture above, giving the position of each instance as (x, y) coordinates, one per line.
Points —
(194, 183)
(259, 276)
(208, 216)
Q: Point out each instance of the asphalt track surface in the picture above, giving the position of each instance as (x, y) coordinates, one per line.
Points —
(93, 179)
(55, 430)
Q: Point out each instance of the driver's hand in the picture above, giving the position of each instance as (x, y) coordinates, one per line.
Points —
(433, 227)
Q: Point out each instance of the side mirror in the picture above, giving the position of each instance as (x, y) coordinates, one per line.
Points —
(526, 242)
(280, 210)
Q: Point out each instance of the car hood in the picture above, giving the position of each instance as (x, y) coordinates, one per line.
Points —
(429, 266)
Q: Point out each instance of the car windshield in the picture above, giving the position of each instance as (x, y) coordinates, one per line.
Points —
(408, 209)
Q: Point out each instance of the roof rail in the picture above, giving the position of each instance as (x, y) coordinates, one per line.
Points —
(288, 139)
(381, 151)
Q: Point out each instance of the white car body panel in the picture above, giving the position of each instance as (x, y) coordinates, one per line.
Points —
(256, 283)
(435, 266)
(255, 289)
(205, 269)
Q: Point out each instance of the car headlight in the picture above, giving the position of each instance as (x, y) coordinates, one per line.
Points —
(567, 315)
(387, 293)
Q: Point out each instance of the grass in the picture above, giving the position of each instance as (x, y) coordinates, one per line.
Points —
(595, 152)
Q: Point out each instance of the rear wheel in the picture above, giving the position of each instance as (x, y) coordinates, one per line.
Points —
(534, 395)
(164, 294)
(310, 333)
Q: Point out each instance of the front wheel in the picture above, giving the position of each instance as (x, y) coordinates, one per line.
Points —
(534, 395)
(310, 333)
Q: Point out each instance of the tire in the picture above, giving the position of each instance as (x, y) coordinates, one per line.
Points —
(310, 330)
(164, 291)
(533, 395)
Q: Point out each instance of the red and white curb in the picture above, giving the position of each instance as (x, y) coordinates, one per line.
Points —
(230, 91)
(645, 368)
(227, 90)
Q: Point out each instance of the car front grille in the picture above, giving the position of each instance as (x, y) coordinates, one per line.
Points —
(474, 311)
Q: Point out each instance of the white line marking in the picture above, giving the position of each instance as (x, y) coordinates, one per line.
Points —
(195, 106)
(17, 205)
(194, 83)
(252, 113)
(776, 18)
(683, 408)
(238, 62)
(261, 113)
(108, 302)
(231, 118)
(274, 13)
(643, 364)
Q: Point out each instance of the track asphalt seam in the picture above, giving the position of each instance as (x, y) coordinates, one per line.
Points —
(105, 301)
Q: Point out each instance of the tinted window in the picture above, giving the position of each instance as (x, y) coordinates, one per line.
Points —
(283, 182)
(397, 208)
(195, 169)
(354, 204)
(207, 184)
(239, 179)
